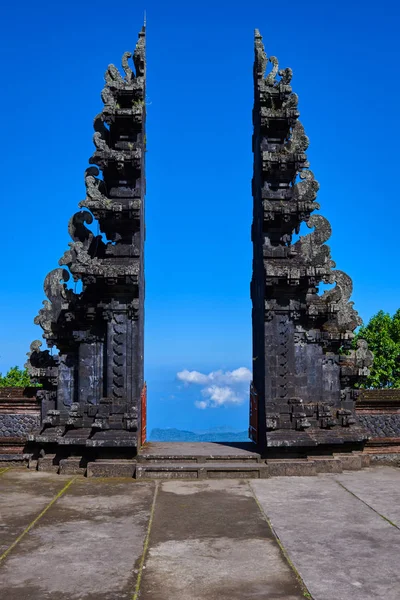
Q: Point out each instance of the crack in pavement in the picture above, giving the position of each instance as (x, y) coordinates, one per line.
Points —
(285, 554)
(366, 504)
(146, 544)
(36, 519)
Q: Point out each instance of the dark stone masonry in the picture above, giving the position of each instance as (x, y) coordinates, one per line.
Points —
(92, 390)
(304, 367)
(385, 426)
(17, 425)
(379, 412)
(19, 415)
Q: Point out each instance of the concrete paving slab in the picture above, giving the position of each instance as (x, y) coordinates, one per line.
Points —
(23, 495)
(86, 547)
(209, 541)
(383, 495)
(342, 549)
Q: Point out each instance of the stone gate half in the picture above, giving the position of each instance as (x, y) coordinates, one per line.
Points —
(92, 389)
(304, 366)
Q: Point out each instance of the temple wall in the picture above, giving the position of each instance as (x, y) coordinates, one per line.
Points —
(19, 414)
(379, 412)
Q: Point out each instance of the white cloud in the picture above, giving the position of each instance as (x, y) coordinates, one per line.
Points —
(192, 377)
(220, 388)
(202, 404)
(242, 374)
(218, 396)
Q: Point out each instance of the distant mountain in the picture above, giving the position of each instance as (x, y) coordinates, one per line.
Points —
(217, 434)
(220, 429)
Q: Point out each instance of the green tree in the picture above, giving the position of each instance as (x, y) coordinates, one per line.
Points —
(383, 336)
(15, 377)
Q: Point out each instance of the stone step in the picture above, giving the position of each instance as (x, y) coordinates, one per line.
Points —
(111, 468)
(215, 470)
(291, 467)
(190, 459)
(353, 461)
(72, 466)
(327, 464)
(33, 463)
(49, 463)
(205, 467)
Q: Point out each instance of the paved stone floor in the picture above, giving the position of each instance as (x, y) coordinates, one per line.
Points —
(331, 537)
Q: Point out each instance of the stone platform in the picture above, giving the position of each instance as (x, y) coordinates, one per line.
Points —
(201, 460)
(329, 537)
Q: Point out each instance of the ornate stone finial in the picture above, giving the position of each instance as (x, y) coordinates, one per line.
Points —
(34, 348)
(286, 76)
(58, 295)
(270, 79)
(261, 59)
(129, 76)
(139, 55)
(299, 141)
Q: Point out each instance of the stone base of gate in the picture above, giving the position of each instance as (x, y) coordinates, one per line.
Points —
(201, 461)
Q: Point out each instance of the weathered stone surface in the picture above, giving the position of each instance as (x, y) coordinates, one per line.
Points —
(350, 461)
(48, 463)
(229, 469)
(19, 415)
(72, 466)
(92, 389)
(298, 468)
(383, 458)
(111, 468)
(324, 464)
(17, 425)
(381, 425)
(303, 388)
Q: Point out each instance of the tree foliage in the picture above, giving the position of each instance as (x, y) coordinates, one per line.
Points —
(15, 377)
(383, 336)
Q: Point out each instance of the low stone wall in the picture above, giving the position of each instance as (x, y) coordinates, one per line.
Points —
(379, 412)
(379, 400)
(19, 414)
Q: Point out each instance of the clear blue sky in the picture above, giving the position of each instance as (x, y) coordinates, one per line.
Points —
(345, 58)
